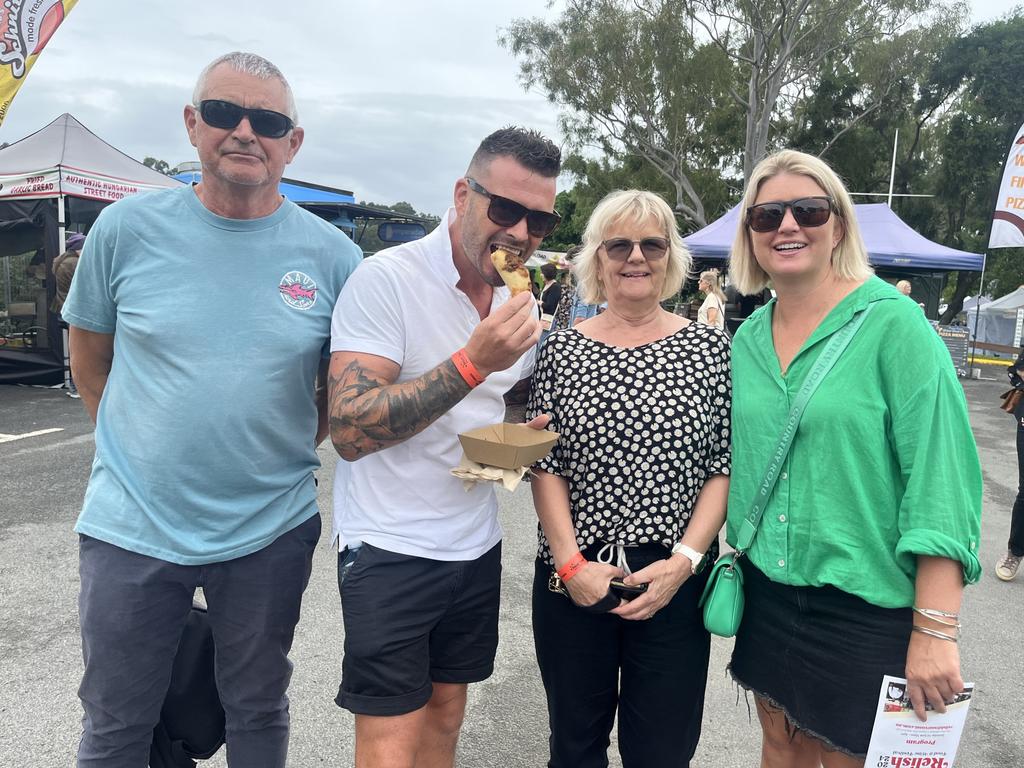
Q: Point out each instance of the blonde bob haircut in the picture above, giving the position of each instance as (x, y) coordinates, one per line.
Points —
(849, 258)
(629, 206)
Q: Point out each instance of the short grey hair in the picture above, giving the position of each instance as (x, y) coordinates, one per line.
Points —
(248, 64)
(849, 258)
(633, 206)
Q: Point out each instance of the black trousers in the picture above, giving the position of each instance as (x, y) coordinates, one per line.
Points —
(653, 672)
(1016, 542)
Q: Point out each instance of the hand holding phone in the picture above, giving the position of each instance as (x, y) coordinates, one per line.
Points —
(621, 589)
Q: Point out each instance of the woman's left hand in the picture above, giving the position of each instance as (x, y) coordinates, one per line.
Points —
(663, 579)
(933, 672)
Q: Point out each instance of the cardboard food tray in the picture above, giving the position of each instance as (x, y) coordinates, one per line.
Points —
(508, 446)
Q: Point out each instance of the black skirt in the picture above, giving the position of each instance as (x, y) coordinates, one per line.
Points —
(819, 654)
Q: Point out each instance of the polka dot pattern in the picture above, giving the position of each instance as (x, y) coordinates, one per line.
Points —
(641, 430)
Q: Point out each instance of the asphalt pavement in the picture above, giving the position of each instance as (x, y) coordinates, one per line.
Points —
(42, 483)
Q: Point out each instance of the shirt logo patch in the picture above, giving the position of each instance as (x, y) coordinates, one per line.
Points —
(298, 290)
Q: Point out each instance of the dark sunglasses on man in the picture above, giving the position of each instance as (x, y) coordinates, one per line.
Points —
(508, 213)
(807, 212)
(225, 115)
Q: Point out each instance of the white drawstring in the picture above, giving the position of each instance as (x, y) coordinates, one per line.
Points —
(616, 551)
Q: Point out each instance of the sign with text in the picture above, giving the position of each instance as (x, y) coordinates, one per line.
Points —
(71, 181)
(900, 740)
(27, 26)
(957, 339)
(1008, 218)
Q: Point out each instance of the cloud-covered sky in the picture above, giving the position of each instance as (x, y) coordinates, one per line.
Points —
(394, 95)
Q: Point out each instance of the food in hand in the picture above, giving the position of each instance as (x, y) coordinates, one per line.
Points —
(509, 263)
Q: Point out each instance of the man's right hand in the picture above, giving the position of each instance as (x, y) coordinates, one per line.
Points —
(502, 337)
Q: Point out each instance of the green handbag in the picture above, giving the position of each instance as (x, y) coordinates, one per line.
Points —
(722, 600)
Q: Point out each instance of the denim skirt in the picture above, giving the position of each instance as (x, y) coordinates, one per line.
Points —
(819, 654)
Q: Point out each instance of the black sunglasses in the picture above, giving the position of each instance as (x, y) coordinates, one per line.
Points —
(807, 211)
(508, 213)
(224, 114)
(620, 248)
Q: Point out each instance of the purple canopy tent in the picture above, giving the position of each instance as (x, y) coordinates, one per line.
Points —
(890, 242)
(895, 250)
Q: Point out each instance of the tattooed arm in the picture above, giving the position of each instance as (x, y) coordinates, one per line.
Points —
(369, 412)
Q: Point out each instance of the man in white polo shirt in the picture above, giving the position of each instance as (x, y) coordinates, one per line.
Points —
(425, 344)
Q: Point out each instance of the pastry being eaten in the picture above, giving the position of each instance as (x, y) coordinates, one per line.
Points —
(509, 263)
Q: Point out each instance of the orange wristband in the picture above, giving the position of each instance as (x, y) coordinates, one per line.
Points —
(466, 368)
(572, 567)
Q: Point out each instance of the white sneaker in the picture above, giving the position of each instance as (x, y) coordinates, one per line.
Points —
(1006, 568)
(73, 395)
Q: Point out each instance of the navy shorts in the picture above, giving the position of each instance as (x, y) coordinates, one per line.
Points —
(411, 621)
(819, 654)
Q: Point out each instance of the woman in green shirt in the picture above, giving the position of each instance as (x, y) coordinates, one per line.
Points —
(860, 558)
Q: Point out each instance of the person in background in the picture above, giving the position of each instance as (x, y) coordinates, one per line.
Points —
(712, 311)
(858, 565)
(200, 318)
(426, 343)
(634, 489)
(64, 271)
(551, 293)
(904, 287)
(563, 312)
(550, 296)
(1009, 564)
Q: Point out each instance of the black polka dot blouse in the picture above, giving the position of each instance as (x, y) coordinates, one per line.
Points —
(640, 429)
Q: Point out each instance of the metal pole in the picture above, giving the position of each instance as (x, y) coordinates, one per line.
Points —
(61, 239)
(7, 283)
(892, 170)
(977, 312)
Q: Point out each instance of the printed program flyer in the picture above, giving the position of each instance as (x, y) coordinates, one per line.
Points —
(900, 740)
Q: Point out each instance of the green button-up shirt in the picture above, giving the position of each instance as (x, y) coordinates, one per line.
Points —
(883, 466)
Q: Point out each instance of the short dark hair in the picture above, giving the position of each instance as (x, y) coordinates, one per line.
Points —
(529, 148)
(549, 270)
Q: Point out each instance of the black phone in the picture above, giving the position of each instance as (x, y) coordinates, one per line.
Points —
(626, 591)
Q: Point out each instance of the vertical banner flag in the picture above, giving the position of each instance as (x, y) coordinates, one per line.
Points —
(1008, 219)
(25, 28)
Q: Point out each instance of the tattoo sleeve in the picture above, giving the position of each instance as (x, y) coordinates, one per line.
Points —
(368, 414)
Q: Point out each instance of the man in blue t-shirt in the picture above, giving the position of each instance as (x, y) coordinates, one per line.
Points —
(200, 319)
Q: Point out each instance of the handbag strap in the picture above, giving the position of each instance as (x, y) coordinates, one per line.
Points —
(826, 360)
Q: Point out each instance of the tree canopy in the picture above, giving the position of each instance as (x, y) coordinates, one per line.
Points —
(683, 97)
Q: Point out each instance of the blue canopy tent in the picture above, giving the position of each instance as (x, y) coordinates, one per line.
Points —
(338, 206)
(895, 250)
(301, 193)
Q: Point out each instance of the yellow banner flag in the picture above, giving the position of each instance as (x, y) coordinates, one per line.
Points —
(26, 26)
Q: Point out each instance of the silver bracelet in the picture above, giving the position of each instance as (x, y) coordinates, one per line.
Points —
(936, 612)
(939, 617)
(933, 633)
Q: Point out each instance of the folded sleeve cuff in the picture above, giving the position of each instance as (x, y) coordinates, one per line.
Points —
(720, 465)
(935, 544)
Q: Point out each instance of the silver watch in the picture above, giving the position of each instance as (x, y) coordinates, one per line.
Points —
(696, 558)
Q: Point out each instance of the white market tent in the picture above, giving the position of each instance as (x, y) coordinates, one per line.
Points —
(67, 159)
(997, 320)
(58, 177)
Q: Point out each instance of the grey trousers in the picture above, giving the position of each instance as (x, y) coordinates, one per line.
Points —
(132, 610)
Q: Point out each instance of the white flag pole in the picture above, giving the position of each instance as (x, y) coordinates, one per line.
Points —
(892, 170)
(977, 310)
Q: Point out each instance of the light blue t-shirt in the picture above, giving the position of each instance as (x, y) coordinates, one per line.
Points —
(204, 437)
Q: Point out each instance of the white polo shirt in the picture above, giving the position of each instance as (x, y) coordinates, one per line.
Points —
(402, 304)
